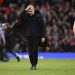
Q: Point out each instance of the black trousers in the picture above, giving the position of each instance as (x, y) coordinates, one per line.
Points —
(3, 55)
(33, 43)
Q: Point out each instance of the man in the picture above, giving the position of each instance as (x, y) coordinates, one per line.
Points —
(3, 54)
(31, 27)
(10, 41)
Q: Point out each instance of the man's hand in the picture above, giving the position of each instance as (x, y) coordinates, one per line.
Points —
(30, 10)
(42, 40)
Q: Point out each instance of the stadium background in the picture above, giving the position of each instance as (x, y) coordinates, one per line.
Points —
(58, 15)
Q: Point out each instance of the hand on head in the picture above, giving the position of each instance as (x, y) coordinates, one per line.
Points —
(30, 10)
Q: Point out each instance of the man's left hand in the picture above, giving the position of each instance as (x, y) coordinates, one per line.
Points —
(42, 40)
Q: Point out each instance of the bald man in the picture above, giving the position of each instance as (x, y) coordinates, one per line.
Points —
(31, 27)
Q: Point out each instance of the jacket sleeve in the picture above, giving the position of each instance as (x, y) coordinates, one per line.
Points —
(22, 16)
(43, 29)
(43, 26)
(21, 20)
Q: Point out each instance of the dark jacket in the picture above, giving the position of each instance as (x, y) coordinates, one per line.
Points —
(30, 25)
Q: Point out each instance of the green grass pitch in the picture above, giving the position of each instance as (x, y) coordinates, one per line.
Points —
(44, 67)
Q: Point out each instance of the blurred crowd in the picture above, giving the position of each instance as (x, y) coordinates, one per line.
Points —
(58, 16)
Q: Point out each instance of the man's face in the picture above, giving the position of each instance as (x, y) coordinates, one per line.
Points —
(30, 10)
(5, 27)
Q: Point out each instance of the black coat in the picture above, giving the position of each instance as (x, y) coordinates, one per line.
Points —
(29, 26)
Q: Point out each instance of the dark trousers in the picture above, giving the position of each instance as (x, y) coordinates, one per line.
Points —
(33, 49)
(10, 44)
(3, 55)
